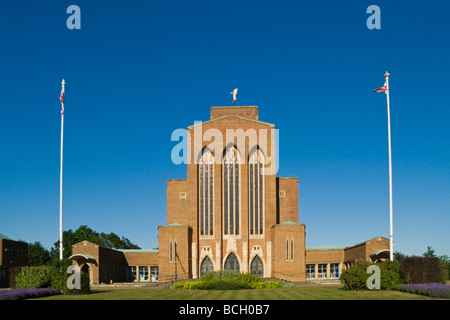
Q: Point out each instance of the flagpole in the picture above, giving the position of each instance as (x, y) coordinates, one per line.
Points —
(391, 231)
(61, 173)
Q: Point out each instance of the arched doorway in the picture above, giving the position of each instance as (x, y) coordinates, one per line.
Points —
(231, 263)
(85, 268)
(256, 267)
(206, 267)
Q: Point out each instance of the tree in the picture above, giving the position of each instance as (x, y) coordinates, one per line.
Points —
(430, 253)
(111, 241)
(37, 254)
(398, 256)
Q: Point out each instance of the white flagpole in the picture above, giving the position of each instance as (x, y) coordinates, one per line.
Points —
(391, 231)
(61, 175)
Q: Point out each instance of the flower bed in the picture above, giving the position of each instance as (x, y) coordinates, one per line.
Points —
(429, 289)
(18, 294)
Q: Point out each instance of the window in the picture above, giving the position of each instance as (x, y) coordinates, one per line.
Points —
(256, 267)
(310, 271)
(292, 249)
(334, 270)
(143, 273)
(231, 194)
(206, 266)
(206, 193)
(287, 250)
(232, 263)
(322, 271)
(256, 192)
(154, 273)
(132, 274)
(175, 252)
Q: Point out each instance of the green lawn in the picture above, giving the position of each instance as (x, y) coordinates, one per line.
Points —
(294, 293)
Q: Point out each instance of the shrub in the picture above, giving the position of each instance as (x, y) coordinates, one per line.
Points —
(355, 278)
(390, 274)
(34, 277)
(54, 277)
(422, 270)
(227, 280)
(60, 276)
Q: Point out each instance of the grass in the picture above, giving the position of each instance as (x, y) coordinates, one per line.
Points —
(293, 293)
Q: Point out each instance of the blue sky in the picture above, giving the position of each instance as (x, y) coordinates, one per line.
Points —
(138, 70)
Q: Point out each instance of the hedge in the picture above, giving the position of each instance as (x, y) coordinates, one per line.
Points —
(423, 270)
(227, 280)
(54, 277)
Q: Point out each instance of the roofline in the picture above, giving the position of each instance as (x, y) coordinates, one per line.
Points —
(231, 115)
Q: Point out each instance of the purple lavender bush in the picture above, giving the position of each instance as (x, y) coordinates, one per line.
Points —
(435, 290)
(19, 294)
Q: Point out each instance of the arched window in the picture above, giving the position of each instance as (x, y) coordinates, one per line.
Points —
(292, 249)
(256, 267)
(256, 192)
(206, 194)
(231, 263)
(287, 250)
(206, 267)
(231, 195)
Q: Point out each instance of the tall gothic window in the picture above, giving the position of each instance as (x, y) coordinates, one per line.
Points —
(256, 266)
(231, 263)
(231, 195)
(256, 192)
(206, 195)
(206, 267)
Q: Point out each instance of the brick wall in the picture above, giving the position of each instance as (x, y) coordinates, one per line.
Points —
(284, 264)
(176, 202)
(287, 190)
(174, 261)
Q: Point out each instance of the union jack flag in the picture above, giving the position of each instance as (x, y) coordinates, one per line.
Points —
(61, 98)
(381, 89)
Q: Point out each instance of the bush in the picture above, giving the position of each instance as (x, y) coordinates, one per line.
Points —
(34, 277)
(54, 277)
(227, 280)
(422, 270)
(390, 274)
(60, 276)
(356, 277)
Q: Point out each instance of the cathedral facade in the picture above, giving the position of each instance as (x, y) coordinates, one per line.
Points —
(232, 212)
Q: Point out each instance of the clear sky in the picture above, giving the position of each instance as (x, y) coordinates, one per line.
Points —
(138, 70)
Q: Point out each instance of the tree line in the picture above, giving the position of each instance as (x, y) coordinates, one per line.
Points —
(38, 255)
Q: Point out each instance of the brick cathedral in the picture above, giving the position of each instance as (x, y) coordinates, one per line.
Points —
(232, 212)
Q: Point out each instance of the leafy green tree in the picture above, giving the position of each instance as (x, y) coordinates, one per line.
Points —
(37, 254)
(398, 256)
(430, 253)
(110, 240)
